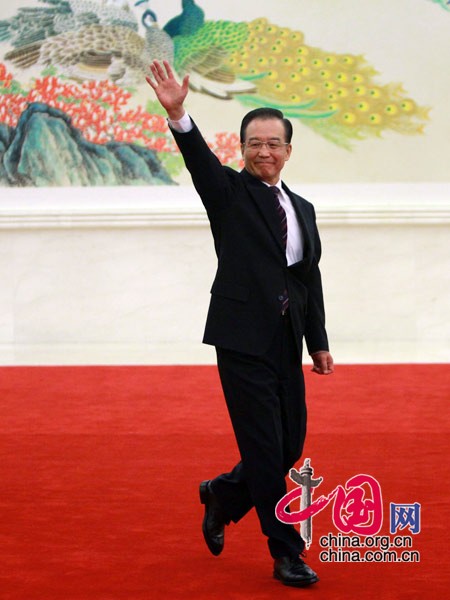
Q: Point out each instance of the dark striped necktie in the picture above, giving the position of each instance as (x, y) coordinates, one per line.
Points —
(281, 213)
(284, 298)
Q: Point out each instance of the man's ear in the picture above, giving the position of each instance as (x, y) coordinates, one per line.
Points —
(288, 151)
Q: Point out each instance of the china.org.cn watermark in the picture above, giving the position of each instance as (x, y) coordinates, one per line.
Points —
(357, 513)
(377, 548)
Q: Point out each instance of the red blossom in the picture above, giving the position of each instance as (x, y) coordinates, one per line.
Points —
(226, 146)
(100, 110)
(5, 77)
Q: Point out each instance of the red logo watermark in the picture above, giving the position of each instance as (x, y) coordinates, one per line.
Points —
(357, 506)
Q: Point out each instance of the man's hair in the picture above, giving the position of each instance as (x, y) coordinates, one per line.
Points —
(266, 113)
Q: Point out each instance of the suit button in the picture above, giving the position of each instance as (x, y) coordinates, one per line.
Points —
(280, 298)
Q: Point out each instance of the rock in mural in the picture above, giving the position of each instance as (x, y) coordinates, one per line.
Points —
(46, 150)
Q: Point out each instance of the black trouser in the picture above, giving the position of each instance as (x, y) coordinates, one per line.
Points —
(265, 396)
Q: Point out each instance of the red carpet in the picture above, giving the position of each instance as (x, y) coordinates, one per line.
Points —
(99, 472)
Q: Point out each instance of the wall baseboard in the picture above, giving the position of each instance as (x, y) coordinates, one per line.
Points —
(161, 206)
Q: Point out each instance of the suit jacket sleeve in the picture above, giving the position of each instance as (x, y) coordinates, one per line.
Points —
(315, 332)
(208, 175)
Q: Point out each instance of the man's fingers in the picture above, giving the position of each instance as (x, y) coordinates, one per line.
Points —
(185, 84)
(323, 363)
(161, 74)
(150, 83)
(155, 72)
(168, 68)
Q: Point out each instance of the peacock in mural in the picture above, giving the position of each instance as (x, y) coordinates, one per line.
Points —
(36, 23)
(256, 63)
(87, 40)
(260, 63)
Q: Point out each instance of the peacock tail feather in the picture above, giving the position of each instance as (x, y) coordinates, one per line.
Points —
(333, 93)
(224, 37)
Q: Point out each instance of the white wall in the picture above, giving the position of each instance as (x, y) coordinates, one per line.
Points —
(125, 278)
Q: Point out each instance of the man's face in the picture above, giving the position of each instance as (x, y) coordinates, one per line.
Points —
(265, 163)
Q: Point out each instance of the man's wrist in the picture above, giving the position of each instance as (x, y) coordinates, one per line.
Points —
(175, 114)
(183, 124)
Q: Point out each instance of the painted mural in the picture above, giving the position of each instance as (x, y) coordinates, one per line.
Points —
(445, 4)
(73, 110)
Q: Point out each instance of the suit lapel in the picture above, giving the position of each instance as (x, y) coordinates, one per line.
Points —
(264, 201)
(262, 197)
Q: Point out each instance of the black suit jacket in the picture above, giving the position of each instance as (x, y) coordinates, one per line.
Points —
(252, 270)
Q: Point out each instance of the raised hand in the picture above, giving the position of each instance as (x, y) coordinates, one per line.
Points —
(170, 93)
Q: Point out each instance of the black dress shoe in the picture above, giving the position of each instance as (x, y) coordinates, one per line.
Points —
(293, 571)
(214, 520)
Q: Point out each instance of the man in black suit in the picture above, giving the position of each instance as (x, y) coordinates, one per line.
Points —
(266, 297)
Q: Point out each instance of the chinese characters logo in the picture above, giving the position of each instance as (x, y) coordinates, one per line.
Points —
(357, 506)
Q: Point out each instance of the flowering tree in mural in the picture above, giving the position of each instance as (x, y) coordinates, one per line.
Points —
(101, 111)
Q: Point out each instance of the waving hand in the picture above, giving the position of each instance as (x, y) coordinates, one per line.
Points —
(170, 93)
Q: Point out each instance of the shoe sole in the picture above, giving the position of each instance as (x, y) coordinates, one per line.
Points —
(303, 583)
